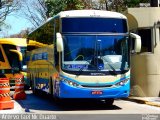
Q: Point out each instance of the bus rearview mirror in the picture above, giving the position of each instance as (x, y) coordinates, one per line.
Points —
(18, 53)
(137, 42)
(59, 42)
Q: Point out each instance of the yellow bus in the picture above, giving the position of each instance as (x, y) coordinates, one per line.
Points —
(31, 45)
(12, 52)
(88, 56)
(12, 57)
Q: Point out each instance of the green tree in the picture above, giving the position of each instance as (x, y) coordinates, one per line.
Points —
(131, 3)
(38, 11)
(134, 3)
(55, 6)
(116, 5)
(34, 11)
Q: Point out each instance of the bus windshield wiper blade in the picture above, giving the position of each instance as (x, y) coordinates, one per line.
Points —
(113, 69)
(82, 68)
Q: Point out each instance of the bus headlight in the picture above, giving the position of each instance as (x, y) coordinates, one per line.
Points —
(71, 83)
(123, 82)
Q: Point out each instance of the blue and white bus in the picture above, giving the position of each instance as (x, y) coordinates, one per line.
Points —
(88, 55)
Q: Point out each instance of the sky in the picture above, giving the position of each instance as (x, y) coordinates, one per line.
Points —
(17, 23)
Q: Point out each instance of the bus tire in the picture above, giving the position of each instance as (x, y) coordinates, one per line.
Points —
(26, 87)
(109, 102)
(59, 101)
(56, 99)
(33, 86)
(51, 87)
(30, 82)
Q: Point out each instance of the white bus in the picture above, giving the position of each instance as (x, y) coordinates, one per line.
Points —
(89, 55)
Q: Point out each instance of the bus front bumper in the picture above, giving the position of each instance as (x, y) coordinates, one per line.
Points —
(66, 91)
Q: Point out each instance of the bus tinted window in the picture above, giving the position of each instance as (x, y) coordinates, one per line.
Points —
(7, 49)
(114, 25)
(1, 56)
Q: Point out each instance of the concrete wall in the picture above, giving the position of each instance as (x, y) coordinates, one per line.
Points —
(145, 67)
(145, 75)
(145, 16)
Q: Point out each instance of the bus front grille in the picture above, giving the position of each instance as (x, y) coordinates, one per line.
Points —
(96, 86)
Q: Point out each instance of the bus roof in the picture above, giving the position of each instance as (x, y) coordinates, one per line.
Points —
(14, 41)
(87, 13)
(91, 13)
(35, 43)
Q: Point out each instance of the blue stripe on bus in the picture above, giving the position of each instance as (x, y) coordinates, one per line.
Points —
(67, 91)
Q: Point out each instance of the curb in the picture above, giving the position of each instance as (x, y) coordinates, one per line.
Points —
(152, 104)
(142, 101)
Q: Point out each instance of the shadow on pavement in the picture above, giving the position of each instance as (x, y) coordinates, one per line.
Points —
(45, 102)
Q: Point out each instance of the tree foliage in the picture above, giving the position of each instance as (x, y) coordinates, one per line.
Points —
(49, 8)
(6, 8)
(21, 34)
(34, 11)
(116, 5)
(134, 3)
(56, 6)
(131, 3)
(38, 11)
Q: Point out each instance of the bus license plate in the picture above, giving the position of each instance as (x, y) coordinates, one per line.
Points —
(97, 92)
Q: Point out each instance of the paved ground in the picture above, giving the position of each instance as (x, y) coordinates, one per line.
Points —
(16, 110)
(21, 106)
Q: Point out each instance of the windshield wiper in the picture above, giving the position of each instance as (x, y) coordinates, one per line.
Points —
(91, 64)
(82, 68)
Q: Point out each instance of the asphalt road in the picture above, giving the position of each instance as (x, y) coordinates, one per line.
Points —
(42, 104)
(36, 107)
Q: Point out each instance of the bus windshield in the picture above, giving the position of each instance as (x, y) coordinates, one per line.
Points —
(95, 53)
(23, 51)
(100, 25)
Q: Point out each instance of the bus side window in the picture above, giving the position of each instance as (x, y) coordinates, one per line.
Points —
(1, 56)
(56, 58)
(56, 54)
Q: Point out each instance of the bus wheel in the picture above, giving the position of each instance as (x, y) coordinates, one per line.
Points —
(26, 87)
(51, 86)
(109, 102)
(34, 86)
(60, 101)
(56, 99)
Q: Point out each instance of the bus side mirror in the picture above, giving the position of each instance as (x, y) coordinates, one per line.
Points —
(136, 43)
(19, 54)
(59, 42)
(16, 60)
